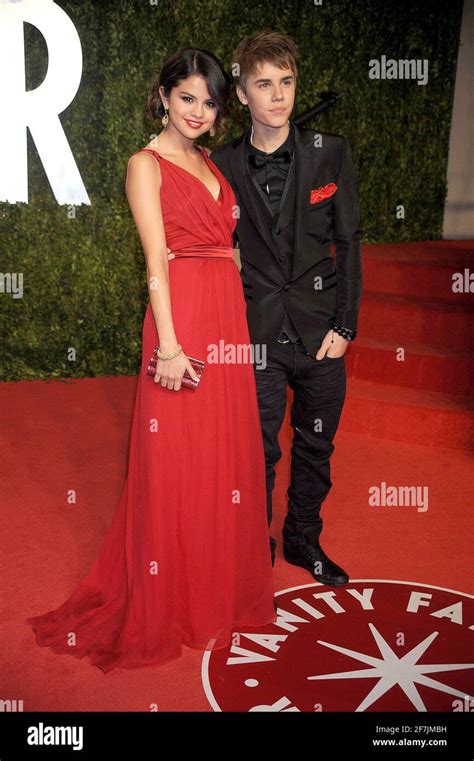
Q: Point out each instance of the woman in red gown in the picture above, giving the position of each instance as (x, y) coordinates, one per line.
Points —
(186, 559)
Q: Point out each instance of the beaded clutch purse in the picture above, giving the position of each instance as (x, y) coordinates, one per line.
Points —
(186, 380)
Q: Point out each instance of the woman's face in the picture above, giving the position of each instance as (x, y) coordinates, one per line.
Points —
(191, 109)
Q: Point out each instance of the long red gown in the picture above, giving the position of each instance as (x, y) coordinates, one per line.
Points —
(186, 559)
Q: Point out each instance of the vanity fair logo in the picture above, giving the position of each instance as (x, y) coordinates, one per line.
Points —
(38, 109)
(373, 645)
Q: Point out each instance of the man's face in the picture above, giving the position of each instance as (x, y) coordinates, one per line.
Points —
(269, 94)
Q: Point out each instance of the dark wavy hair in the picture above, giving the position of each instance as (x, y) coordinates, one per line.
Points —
(185, 63)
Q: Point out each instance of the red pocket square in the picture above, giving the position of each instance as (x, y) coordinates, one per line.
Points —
(325, 191)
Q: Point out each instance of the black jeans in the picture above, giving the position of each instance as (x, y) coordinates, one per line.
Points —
(319, 390)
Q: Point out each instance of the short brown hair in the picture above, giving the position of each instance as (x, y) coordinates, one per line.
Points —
(261, 47)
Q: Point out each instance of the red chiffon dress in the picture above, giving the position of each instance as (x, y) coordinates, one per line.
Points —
(186, 559)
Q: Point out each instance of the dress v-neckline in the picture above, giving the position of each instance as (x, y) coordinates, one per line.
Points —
(203, 153)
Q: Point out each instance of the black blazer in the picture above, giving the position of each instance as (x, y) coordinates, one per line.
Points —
(320, 291)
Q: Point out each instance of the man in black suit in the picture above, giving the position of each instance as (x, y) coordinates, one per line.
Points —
(296, 192)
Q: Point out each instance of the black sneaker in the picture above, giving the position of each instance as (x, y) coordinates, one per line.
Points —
(315, 560)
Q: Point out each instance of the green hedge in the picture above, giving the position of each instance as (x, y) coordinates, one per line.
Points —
(84, 277)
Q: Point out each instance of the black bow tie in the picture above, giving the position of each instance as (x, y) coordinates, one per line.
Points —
(279, 157)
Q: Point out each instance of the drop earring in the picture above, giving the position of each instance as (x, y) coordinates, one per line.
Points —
(165, 119)
(212, 132)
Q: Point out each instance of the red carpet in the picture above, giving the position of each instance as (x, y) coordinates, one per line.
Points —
(405, 424)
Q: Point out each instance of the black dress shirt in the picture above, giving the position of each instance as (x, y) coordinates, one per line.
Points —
(270, 171)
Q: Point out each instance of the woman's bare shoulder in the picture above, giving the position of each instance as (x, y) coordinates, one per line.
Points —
(143, 171)
(143, 156)
(143, 161)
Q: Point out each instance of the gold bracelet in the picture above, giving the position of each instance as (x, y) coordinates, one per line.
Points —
(168, 356)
